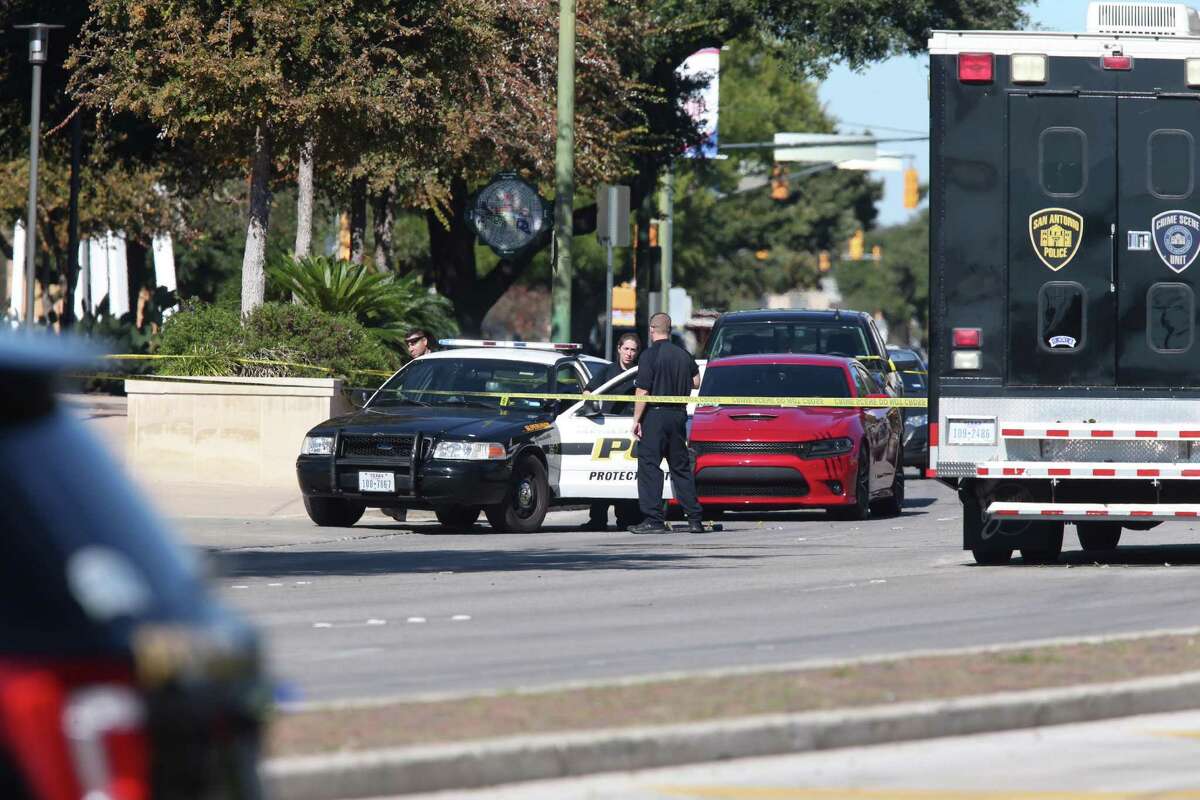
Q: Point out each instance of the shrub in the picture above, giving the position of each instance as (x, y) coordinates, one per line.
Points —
(388, 305)
(217, 341)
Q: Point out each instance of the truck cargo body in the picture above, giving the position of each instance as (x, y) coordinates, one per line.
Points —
(1064, 230)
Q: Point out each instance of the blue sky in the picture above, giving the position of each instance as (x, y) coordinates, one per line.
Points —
(893, 93)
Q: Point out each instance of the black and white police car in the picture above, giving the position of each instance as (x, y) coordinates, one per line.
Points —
(438, 435)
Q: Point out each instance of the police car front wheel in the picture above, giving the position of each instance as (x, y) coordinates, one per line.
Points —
(524, 507)
(333, 512)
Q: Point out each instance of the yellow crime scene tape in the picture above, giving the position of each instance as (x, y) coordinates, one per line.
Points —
(506, 398)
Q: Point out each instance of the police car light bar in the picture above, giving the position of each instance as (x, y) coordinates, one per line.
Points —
(560, 346)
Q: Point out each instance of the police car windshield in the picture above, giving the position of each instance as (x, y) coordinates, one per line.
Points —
(774, 380)
(463, 382)
(750, 338)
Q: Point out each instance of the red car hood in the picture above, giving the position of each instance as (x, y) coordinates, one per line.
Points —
(763, 424)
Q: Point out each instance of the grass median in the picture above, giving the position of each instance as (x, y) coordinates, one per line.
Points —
(707, 698)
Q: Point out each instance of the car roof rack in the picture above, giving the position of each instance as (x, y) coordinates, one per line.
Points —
(566, 347)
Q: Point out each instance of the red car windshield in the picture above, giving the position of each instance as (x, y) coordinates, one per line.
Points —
(774, 380)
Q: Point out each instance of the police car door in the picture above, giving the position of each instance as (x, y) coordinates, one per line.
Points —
(1061, 263)
(1158, 240)
(599, 456)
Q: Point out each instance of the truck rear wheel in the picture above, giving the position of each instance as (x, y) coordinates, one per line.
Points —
(988, 552)
(1049, 553)
(1097, 536)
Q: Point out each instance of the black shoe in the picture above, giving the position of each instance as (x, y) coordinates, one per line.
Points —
(596, 525)
(649, 526)
(696, 526)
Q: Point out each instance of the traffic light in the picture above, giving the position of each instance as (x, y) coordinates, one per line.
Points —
(877, 253)
(823, 263)
(912, 189)
(779, 185)
(856, 245)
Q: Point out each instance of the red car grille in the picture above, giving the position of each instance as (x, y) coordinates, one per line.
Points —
(758, 448)
(750, 490)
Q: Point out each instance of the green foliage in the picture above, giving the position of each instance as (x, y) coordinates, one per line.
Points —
(386, 304)
(309, 342)
(898, 285)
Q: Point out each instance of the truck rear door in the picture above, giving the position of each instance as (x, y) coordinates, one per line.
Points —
(1062, 212)
(1157, 242)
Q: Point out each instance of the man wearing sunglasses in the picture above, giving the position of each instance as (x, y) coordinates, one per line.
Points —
(418, 343)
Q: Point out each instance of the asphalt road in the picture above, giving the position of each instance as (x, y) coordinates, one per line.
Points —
(1135, 758)
(390, 609)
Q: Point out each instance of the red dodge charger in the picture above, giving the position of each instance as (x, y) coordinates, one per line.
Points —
(846, 460)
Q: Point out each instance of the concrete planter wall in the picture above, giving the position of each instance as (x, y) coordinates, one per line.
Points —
(225, 430)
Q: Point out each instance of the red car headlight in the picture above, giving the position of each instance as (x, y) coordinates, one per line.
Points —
(824, 448)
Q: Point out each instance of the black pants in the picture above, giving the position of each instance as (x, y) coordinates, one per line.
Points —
(627, 512)
(664, 434)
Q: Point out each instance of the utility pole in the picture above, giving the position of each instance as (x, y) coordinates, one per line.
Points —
(666, 237)
(564, 174)
(39, 36)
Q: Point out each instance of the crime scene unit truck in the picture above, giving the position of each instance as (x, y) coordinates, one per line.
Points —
(1064, 232)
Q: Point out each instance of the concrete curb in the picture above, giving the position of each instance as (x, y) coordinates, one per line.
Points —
(378, 773)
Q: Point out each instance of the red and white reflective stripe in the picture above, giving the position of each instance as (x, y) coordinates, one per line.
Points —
(1041, 430)
(933, 451)
(1051, 469)
(1086, 511)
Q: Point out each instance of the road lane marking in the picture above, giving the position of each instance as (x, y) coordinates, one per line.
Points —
(373, 621)
(1177, 734)
(322, 624)
(460, 618)
(415, 619)
(785, 793)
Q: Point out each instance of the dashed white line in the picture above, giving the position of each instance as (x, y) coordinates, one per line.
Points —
(460, 617)
(303, 583)
(879, 580)
(373, 621)
(322, 624)
(415, 619)
(240, 586)
(274, 584)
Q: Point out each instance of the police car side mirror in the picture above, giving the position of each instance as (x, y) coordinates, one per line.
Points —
(591, 408)
(359, 397)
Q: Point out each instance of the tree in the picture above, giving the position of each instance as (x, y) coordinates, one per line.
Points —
(898, 285)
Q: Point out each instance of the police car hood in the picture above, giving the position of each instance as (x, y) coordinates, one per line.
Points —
(471, 423)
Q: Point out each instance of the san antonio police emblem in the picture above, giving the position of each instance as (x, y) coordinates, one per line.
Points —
(1055, 233)
(1176, 238)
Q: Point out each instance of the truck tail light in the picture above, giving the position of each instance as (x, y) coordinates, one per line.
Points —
(1117, 62)
(975, 67)
(1028, 68)
(967, 337)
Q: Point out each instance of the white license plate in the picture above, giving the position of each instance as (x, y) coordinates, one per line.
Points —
(971, 431)
(376, 481)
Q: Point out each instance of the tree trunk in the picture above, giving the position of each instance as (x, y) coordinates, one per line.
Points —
(255, 256)
(304, 200)
(358, 219)
(383, 217)
(72, 271)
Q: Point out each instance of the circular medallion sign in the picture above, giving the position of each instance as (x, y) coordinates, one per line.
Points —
(510, 216)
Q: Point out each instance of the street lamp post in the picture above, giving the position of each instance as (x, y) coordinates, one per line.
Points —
(39, 37)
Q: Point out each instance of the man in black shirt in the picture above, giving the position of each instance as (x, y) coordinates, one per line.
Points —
(665, 369)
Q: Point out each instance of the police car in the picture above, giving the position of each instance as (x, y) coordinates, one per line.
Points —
(440, 434)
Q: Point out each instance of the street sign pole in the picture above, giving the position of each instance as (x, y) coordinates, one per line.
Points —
(612, 230)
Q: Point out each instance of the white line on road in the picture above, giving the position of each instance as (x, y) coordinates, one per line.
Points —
(460, 617)
(322, 624)
(415, 619)
(374, 621)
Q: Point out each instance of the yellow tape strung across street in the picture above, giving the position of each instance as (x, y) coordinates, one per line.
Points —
(506, 398)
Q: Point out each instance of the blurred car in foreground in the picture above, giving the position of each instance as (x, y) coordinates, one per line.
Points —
(915, 375)
(120, 677)
(845, 460)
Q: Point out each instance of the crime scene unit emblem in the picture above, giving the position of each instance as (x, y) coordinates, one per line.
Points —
(1055, 233)
(1176, 238)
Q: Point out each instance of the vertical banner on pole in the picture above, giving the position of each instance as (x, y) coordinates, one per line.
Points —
(118, 274)
(17, 303)
(704, 67)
